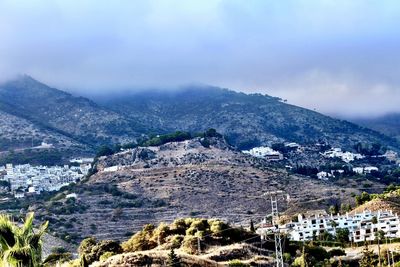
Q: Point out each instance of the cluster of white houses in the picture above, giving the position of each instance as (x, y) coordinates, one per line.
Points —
(28, 179)
(264, 152)
(362, 226)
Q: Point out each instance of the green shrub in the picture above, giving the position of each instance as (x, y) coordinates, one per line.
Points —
(107, 255)
(236, 263)
(91, 250)
(336, 252)
(190, 245)
(175, 241)
(142, 240)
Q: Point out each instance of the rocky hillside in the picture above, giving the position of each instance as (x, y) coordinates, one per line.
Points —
(247, 120)
(181, 179)
(19, 133)
(62, 113)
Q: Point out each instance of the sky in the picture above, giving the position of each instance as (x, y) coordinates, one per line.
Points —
(339, 57)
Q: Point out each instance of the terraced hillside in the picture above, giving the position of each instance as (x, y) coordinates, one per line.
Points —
(181, 179)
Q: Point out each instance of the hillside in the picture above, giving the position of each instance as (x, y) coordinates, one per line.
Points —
(63, 114)
(181, 179)
(388, 124)
(384, 201)
(248, 120)
(19, 133)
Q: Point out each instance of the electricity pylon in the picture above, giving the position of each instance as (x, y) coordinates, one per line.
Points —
(275, 223)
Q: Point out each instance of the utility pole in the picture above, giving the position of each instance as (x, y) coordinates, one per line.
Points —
(387, 252)
(198, 245)
(275, 223)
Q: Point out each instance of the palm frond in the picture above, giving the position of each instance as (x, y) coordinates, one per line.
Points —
(28, 224)
(19, 256)
(7, 231)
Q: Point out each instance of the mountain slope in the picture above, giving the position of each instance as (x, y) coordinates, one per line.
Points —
(18, 133)
(247, 120)
(388, 124)
(58, 111)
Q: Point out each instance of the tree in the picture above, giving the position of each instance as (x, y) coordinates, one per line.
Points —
(104, 151)
(302, 261)
(173, 259)
(334, 209)
(20, 245)
(368, 257)
(252, 229)
(86, 245)
(361, 199)
(345, 207)
(333, 224)
(91, 250)
(342, 235)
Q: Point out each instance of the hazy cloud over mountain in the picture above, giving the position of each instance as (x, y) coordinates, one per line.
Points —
(340, 57)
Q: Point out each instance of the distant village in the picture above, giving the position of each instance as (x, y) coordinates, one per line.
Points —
(23, 180)
(299, 152)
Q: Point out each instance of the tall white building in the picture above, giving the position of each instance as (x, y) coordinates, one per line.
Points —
(361, 226)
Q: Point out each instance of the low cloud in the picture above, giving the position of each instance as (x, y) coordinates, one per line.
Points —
(339, 57)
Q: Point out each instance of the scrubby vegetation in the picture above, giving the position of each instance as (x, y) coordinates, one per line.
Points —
(158, 140)
(186, 234)
(91, 250)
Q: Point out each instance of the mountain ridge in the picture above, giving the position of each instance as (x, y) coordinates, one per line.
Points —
(247, 120)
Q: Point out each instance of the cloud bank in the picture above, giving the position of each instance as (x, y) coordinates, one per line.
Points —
(337, 56)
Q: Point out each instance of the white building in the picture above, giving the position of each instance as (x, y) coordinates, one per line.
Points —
(264, 152)
(324, 175)
(345, 156)
(360, 225)
(370, 169)
(364, 170)
(81, 160)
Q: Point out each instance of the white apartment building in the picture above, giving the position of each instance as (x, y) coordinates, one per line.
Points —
(264, 152)
(360, 225)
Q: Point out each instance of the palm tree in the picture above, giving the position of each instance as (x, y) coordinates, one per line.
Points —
(20, 245)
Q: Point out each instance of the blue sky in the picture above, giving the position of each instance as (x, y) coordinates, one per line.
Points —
(339, 57)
